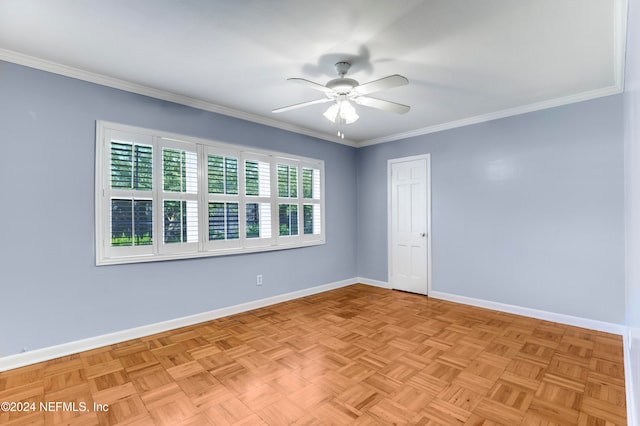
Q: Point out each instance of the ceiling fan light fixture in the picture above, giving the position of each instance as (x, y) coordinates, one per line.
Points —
(332, 112)
(348, 112)
(342, 109)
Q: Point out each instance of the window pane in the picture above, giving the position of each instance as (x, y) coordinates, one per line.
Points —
(222, 174)
(258, 220)
(175, 221)
(283, 181)
(172, 170)
(233, 232)
(231, 171)
(294, 219)
(143, 222)
(216, 221)
(253, 220)
(121, 223)
(308, 218)
(288, 219)
(215, 169)
(131, 166)
(180, 171)
(283, 215)
(143, 170)
(293, 182)
(223, 221)
(307, 183)
(180, 221)
(287, 181)
(252, 180)
(257, 178)
(131, 222)
(121, 165)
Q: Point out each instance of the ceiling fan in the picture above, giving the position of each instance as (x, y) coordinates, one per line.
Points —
(342, 90)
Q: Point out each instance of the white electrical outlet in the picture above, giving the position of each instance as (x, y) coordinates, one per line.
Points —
(259, 279)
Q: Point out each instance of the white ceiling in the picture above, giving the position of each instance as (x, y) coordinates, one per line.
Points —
(466, 61)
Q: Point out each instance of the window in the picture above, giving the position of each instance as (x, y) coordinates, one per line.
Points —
(287, 200)
(179, 195)
(258, 202)
(161, 197)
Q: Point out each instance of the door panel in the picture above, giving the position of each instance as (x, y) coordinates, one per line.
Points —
(408, 225)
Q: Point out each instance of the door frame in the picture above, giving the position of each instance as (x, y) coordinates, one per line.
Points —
(390, 162)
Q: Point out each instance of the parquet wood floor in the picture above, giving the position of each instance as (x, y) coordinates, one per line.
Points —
(357, 355)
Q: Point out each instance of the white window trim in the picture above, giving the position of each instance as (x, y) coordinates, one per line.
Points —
(108, 255)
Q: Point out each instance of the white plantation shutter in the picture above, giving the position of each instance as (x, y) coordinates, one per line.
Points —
(300, 201)
(257, 200)
(128, 208)
(223, 199)
(288, 200)
(161, 197)
(312, 201)
(179, 176)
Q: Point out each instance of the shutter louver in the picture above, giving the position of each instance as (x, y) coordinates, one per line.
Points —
(180, 206)
(311, 213)
(131, 166)
(258, 206)
(223, 175)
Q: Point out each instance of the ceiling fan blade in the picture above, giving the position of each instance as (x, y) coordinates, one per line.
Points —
(381, 104)
(300, 105)
(381, 84)
(311, 84)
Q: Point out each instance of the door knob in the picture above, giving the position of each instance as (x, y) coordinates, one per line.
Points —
(423, 234)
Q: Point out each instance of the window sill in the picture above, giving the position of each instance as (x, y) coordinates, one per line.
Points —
(203, 254)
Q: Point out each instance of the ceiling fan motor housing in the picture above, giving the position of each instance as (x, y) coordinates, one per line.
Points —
(342, 86)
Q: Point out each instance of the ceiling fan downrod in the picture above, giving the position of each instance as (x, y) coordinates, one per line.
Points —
(342, 68)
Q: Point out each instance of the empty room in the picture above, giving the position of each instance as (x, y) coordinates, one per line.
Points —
(299, 212)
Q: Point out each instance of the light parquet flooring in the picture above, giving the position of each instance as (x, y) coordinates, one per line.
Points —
(357, 355)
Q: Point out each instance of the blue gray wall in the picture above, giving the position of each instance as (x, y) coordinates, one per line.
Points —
(526, 210)
(51, 292)
(632, 195)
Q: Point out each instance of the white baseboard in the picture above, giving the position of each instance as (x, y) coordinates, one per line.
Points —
(632, 415)
(606, 327)
(52, 352)
(46, 354)
(374, 283)
(514, 309)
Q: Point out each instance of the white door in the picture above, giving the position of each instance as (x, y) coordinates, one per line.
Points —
(409, 224)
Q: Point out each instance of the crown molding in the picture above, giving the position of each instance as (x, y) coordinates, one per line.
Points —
(619, 52)
(551, 103)
(116, 83)
(103, 80)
